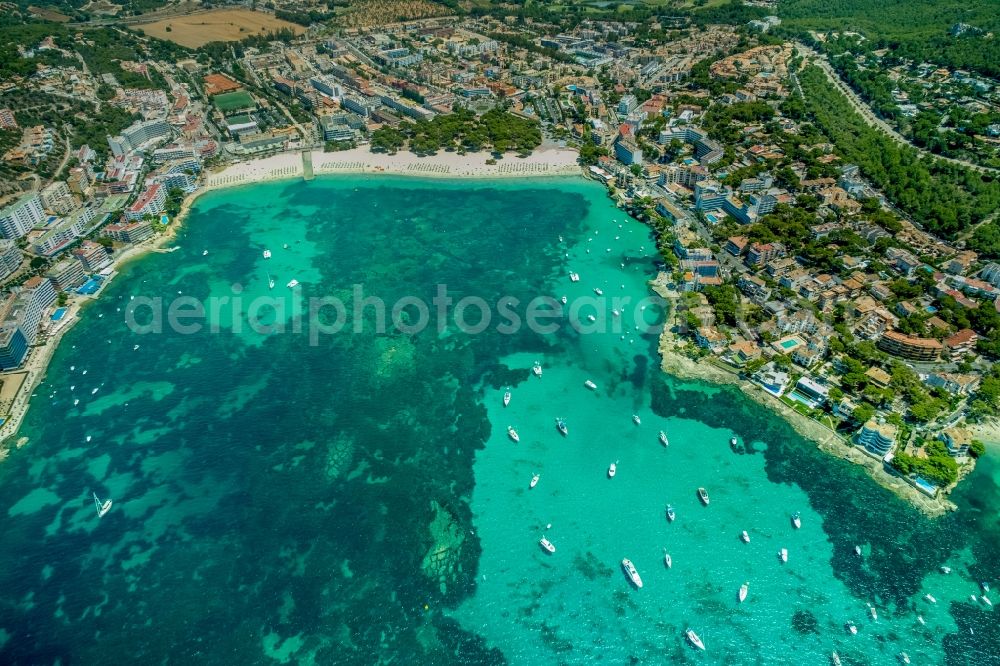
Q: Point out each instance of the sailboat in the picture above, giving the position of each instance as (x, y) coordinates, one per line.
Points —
(102, 508)
(270, 281)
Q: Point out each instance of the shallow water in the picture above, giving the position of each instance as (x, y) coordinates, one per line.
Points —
(358, 500)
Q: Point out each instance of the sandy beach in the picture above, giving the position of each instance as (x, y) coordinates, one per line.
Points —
(675, 362)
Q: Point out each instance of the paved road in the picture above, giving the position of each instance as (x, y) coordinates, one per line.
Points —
(872, 119)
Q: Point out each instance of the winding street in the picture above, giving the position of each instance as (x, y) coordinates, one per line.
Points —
(872, 119)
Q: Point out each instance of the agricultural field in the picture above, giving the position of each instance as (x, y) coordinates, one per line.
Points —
(217, 25)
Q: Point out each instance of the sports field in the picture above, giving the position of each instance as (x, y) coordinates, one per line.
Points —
(234, 101)
(216, 25)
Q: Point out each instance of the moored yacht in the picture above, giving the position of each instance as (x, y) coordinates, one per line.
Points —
(563, 300)
(267, 254)
(783, 554)
(293, 283)
(851, 627)
(547, 545)
(872, 611)
(561, 427)
(797, 520)
(857, 551)
(632, 574)
(612, 470)
(835, 658)
(744, 588)
(666, 559)
(733, 441)
(636, 420)
(745, 536)
(986, 600)
(513, 434)
(591, 385)
(903, 657)
(102, 507)
(930, 598)
(671, 514)
(663, 439)
(598, 291)
(574, 277)
(537, 369)
(695, 640)
(985, 586)
(703, 496)
(506, 398)
(534, 481)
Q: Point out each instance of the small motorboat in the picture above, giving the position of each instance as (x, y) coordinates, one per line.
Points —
(930, 598)
(797, 520)
(745, 537)
(744, 588)
(591, 318)
(853, 628)
(945, 570)
(671, 514)
(285, 246)
(631, 572)
(534, 481)
(733, 441)
(835, 658)
(95, 391)
(872, 612)
(904, 658)
(537, 369)
(574, 277)
(293, 283)
(76, 402)
(636, 420)
(666, 559)
(695, 640)
(267, 254)
(663, 439)
(703, 496)
(857, 551)
(615, 313)
(204, 253)
(547, 545)
(783, 554)
(561, 427)
(612, 470)
(985, 586)
(513, 434)
(89, 437)
(920, 619)
(973, 598)
(986, 600)
(591, 385)
(506, 398)
(598, 291)
(135, 348)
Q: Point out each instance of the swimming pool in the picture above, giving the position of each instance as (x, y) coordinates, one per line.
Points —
(90, 286)
(788, 344)
(58, 314)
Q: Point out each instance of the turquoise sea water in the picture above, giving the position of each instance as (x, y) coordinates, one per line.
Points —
(358, 500)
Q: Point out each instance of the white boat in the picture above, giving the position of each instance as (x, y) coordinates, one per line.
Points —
(985, 586)
(561, 427)
(95, 391)
(563, 300)
(835, 658)
(267, 254)
(547, 545)
(537, 369)
(744, 588)
(72, 387)
(506, 398)
(903, 657)
(797, 520)
(616, 313)
(598, 291)
(204, 253)
(851, 627)
(292, 284)
(945, 570)
(732, 441)
(612, 470)
(574, 277)
(872, 612)
(857, 551)
(632, 574)
(973, 598)
(920, 619)
(534, 481)
(591, 385)
(745, 537)
(270, 281)
(591, 318)
(513, 434)
(987, 601)
(76, 402)
(703, 496)
(929, 597)
(666, 559)
(663, 439)
(285, 246)
(72, 368)
(671, 514)
(783, 554)
(695, 640)
(636, 420)
(89, 437)
(84, 372)
(135, 348)
(102, 507)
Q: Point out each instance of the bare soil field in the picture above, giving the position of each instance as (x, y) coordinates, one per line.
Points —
(217, 25)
